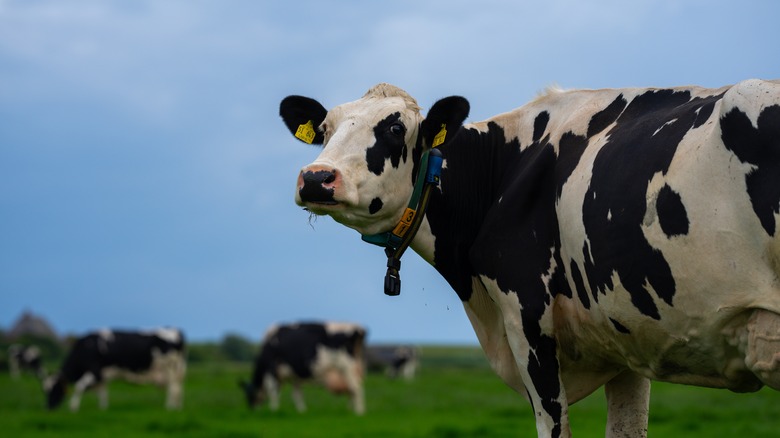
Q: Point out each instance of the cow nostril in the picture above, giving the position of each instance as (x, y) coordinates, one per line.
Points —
(330, 178)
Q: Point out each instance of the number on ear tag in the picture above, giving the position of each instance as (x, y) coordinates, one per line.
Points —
(306, 132)
(439, 139)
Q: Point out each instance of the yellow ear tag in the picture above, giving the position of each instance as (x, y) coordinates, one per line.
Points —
(306, 132)
(439, 139)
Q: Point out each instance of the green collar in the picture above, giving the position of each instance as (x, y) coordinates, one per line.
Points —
(396, 241)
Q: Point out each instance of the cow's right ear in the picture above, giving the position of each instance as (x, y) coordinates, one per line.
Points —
(444, 119)
(303, 116)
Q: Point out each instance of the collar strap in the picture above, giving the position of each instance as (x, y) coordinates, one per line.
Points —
(396, 241)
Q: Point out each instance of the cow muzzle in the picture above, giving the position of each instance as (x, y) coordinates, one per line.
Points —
(318, 184)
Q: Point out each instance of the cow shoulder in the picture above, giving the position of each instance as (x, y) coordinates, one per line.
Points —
(750, 125)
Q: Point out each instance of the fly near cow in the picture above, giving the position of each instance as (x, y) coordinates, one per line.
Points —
(595, 237)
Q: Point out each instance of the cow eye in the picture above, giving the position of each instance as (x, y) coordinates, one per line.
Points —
(397, 129)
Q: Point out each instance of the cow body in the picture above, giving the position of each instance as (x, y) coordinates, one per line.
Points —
(154, 357)
(329, 353)
(595, 237)
(395, 360)
(25, 358)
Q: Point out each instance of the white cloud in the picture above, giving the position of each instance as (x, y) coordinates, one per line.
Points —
(147, 57)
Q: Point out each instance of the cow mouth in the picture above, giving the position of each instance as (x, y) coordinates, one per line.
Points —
(323, 202)
(321, 207)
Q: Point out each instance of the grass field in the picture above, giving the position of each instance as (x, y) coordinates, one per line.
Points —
(454, 395)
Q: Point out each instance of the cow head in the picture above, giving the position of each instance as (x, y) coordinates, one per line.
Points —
(54, 389)
(254, 395)
(364, 176)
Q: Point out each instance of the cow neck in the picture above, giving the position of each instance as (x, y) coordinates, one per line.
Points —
(400, 237)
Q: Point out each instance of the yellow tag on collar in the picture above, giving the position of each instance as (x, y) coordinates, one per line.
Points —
(405, 222)
(439, 139)
(306, 132)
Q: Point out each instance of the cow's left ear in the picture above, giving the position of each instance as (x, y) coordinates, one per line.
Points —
(444, 119)
(303, 115)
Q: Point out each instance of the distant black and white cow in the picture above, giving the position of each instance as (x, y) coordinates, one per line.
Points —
(25, 358)
(595, 237)
(395, 360)
(330, 353)
(154, 357)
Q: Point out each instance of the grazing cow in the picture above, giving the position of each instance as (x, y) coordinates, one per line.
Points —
(25, 358)
(330, 353)
(394, 360)
(153, 357)
(595, 237)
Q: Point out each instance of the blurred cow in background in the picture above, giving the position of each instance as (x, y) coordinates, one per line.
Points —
(394, 360)
(25, 358)
(154, 357)
(330, 353)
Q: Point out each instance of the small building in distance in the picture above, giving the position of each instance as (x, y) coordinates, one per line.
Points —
(30, 325)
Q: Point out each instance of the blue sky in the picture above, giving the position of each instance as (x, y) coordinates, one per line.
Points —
(146, 178)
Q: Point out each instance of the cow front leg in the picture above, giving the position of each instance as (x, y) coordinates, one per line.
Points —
(540, 371)
(87, 380)
(527, 329)
(175, 371)
(271, 388)
(356, 394)
(13, 365)
(536, 356)
(628, 400)
(173, 395)
(297, 396)
(102, 393)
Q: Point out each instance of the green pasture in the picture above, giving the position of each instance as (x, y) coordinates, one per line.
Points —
(454, 395)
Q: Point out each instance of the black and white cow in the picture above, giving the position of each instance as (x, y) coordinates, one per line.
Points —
(595, 237)
(330, 353)
(25, 358)
(148, 357)
(395, 360)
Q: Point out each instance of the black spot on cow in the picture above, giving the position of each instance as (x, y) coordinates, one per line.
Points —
(671, 212)
(389, 144)
(760, 146)
(592, 282)
(602, 119)
(375, 206)
(619, 327)
(704, 113)
(540, 124)
(559, 283)
(579, 284)
(571, 148)
(641, 144)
